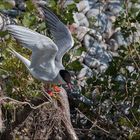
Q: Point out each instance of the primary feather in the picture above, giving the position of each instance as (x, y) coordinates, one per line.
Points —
(46, 58)
(61, 34)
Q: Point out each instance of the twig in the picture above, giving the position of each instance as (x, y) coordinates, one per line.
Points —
(1, 121)
(45, 94)
(133, 58)
(94, 123)
(24, 103)
(127, 92)
(134, 116)
(123, 114)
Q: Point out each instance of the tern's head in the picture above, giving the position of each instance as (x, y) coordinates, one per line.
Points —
(66, 77)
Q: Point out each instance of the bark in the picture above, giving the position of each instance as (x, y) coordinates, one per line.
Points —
(20, 118)
(1, 122)
(59, 103)
(66, 115)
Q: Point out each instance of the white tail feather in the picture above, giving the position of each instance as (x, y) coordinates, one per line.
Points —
(20, 57)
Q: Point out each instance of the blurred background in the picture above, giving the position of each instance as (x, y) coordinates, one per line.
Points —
(104, 64)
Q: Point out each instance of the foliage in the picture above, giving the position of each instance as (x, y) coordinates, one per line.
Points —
(115, 102)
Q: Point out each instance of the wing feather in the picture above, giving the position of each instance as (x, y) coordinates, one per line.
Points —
(43, 50)
(61, 34)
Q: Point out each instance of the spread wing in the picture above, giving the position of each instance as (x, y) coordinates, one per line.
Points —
(43, 50)
(61, 34)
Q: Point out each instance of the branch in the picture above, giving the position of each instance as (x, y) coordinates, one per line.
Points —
(23, 103)
(1, 122)
(64, 105)
(21, 115)
(94, 123)
(61, 103)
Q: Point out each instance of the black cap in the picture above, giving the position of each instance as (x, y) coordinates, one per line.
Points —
(65, 75)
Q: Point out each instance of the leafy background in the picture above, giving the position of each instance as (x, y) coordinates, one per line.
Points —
(114, 110)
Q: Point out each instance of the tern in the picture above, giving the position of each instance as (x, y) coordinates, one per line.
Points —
(46, 59)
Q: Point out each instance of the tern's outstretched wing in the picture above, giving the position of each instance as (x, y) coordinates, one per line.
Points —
(62, 36)
(43, 50)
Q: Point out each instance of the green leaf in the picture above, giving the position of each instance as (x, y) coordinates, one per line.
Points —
(66, 59)
(71, 7)
(138, 17)
(76, 1)
(123, 121)
(53, 3)
(134, 1)
(75, 65)
(5, 5)
(68, 13)
(78, 52)
(89, 81)
(28, 20)
(3, 33)
(41, 26)
(30, 6)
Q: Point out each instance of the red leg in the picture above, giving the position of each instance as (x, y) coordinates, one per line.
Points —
(48, 89)
(56, 88)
